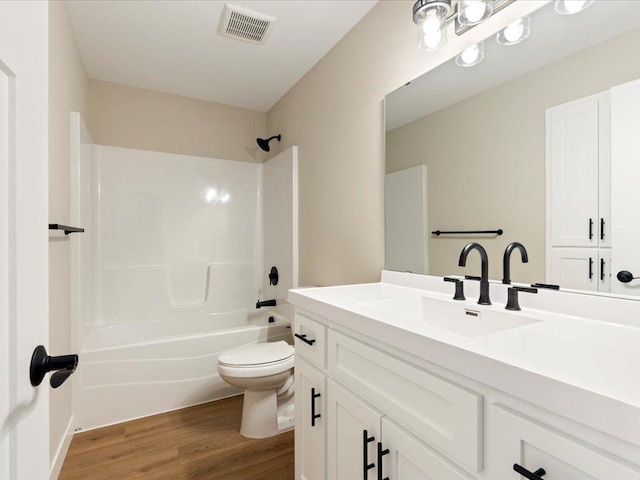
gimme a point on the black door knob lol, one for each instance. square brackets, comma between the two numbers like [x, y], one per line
[42, 363]
[626, 277]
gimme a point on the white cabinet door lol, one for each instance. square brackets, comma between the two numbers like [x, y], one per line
[310, 422]
[573, 156]
[575, 268]
[625, 175]
[516, 439]
[353, 431]
[401, 456]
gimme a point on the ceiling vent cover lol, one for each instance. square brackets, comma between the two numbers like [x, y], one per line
[245, 24]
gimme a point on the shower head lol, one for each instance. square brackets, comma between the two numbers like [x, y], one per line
[264, 144]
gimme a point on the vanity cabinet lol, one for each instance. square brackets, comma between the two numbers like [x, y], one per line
[370, 411]
[578, 189]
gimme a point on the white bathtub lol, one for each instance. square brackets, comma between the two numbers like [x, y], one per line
[133, 370]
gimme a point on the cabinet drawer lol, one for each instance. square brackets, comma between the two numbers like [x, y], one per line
[515, 438]
[444, 415]
[312, 345]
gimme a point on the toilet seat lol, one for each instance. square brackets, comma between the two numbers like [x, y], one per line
[257, 360]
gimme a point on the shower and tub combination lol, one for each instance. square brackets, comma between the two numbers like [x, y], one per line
[175, 252]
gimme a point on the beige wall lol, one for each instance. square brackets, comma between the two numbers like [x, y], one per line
[494, 177]
[67, 92]
[133, 117]
[335, 115]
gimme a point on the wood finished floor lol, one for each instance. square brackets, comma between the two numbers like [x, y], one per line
[200, 442]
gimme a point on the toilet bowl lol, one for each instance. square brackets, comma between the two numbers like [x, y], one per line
[265, 372]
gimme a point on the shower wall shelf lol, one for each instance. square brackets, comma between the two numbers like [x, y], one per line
[67, 229]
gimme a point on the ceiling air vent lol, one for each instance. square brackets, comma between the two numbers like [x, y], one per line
[244, 24]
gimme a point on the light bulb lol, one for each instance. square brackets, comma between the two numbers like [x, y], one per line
[471, 56]
[475, 10]
[431, 24]
[569, 7]
[433, 39]
[515, 32]
[472, 12]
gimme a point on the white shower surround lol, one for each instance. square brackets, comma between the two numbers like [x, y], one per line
[168, 271]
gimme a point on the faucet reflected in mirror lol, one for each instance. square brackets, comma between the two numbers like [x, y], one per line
[506, 260]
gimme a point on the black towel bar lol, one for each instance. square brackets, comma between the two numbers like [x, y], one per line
[67, 229]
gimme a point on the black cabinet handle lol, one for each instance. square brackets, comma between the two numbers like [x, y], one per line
[537, 475]
[602, 229]
[314, 415]
[602, 269]
[590, 268]
[305, 339]
[366, 466]
[381, 453]
[591, 229]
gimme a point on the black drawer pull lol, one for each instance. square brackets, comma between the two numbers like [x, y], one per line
[591, 229]
[602, 276]
[305, 339]
[602, 229]
[537, 475]
[314, 415]
[381, 453]
[366, 466]
[590, 268]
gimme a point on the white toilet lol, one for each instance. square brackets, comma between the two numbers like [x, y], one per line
[265, 372]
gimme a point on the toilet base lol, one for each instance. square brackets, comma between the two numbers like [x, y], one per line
[263, 415]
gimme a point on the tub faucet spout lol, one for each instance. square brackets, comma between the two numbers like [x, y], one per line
[266, 303]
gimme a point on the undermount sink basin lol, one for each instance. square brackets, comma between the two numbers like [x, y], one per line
[456, 317]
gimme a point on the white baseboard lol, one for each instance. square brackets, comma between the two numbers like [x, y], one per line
[61, 454]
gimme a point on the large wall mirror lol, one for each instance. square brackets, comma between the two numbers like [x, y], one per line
[540, 140]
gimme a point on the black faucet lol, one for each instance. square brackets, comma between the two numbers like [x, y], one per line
[266, 303]
[484, 279]
[506, 260]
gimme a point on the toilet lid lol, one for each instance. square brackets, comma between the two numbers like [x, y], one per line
[257, 354]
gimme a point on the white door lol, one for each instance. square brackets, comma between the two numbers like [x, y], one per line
[311, 423]
[575, 268]
[406, 220]
[24, 410]
[573, 154]
[625, 175]
[403, 457]
[353, 431]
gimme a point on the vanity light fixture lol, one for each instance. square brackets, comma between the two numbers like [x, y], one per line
[515, 32]
[431, 18]
[471, 56]
[472, 12]
[569, 7]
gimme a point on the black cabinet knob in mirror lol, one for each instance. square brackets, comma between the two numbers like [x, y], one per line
[626, 277]
[42, 363]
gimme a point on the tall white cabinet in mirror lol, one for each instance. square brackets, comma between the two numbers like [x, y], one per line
[579, 193]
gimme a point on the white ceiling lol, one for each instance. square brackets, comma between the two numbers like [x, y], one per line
[173, 46]
[552, 37]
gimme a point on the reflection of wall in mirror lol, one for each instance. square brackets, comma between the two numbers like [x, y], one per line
[486, 156]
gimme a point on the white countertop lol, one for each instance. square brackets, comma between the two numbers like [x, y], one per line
[565, 359]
